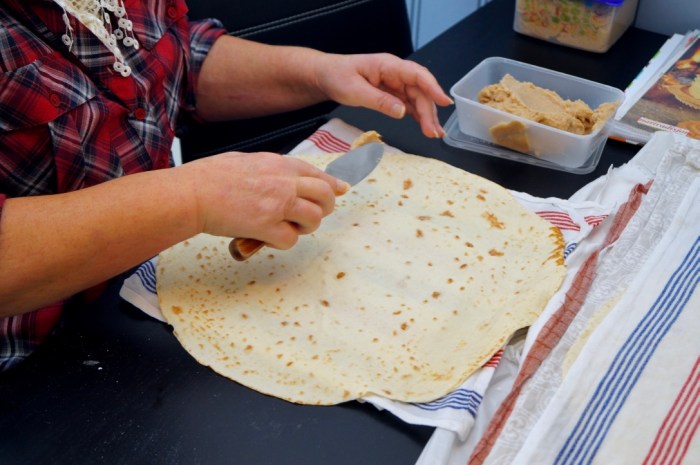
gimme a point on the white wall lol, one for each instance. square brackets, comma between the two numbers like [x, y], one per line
[431, 17]
[668, 16]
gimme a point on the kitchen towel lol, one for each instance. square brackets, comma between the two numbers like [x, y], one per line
[629, 387]
[616, 381]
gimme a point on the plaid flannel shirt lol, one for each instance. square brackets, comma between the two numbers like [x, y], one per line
[68, 121]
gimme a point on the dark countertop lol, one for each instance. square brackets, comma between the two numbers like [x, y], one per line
[114, 386]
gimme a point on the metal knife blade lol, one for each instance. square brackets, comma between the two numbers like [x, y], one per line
[356, 164]
[352, 167]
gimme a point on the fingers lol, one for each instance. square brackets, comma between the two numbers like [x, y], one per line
[422, 92]
[425, 112]
[338, 186]
[304, 214]
[409, 100]
[314, 200]
[415, 75]
[396, 87]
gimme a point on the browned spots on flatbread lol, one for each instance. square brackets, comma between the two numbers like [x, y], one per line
[176, 309]
[558, 253]
[340, 275]
[438, 376]
[435, 294]
[419, 233]
[495, 253]
[424, 218]
[407, 184]
[325, 303]
[448, 214]
[493, 220]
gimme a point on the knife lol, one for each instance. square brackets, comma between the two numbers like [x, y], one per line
[352, 167]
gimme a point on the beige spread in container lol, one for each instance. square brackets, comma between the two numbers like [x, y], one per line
[543, 106]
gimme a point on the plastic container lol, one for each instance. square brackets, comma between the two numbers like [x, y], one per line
[456, 138]
[547, 144]
[593, 25]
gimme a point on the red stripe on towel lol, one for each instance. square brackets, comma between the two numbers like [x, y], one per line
[327, 142]
[677, 431]
[594, 220]
[561, 220]
[555, 327]
[495, 360]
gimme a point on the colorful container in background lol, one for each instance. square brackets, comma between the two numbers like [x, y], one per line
[593, 25]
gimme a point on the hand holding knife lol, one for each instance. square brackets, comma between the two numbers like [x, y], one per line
[351, 167]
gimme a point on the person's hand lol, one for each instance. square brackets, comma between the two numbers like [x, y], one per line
[384, 83]
[264, 196]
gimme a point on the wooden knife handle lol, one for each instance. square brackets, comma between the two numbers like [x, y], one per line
[241, 248]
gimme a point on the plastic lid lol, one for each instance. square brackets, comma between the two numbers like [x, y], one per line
[607, 2]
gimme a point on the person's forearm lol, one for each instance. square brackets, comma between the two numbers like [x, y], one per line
[243, 79]
[53, 246]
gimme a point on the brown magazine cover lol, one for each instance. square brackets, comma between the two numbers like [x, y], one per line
[672, 103]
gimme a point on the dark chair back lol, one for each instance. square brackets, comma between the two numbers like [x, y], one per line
[351, 26]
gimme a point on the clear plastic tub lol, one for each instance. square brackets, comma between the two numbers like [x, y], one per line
[548, 144]
[456, 138]
[593, 25]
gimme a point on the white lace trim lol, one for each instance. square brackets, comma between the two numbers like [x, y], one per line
[97, 16]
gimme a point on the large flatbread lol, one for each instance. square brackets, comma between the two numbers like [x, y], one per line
[422, 273]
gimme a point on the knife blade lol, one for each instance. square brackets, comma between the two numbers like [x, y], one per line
[352, 167]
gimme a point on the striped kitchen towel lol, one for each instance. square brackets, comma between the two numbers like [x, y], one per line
[618, 383]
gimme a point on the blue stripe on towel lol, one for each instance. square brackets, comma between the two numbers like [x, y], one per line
[461, 399]
[147, 274]
[619, 380]
[569, 248]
